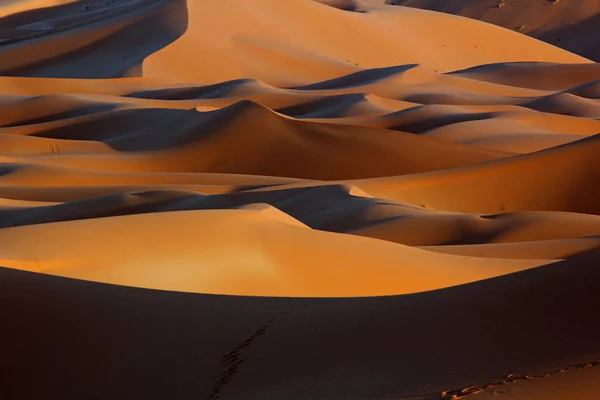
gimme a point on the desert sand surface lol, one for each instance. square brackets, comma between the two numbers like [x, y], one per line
[570, 25]
[296, 200]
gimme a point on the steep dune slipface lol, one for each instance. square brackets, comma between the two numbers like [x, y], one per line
[361, 200]
[89, 39]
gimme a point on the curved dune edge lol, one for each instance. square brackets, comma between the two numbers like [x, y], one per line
[254, 251]
[290, 346]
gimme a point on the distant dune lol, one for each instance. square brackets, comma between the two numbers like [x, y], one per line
[571, 25]
[334, 199]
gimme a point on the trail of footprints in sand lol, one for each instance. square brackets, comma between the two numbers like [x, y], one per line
[511, 378]
[231, 361]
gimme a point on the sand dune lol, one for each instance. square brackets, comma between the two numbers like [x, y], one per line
[333, 49]
[567, 24]
[238, 252]
[492, 187]
[532, 322]
[361, 200]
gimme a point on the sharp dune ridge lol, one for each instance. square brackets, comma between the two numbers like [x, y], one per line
[332, 199]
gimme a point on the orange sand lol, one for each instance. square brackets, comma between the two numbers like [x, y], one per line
[567, 24]
[361, 200]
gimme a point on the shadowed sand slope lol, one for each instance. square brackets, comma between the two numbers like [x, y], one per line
[88, 39]
[383, 347]
[361, 201]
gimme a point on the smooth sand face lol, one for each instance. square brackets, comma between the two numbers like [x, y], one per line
[566, 24]
[407, 201]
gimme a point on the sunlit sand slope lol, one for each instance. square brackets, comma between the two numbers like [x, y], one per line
[567, 24]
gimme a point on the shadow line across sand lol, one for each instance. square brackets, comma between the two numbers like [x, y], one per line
[112, 39]
[82, 339]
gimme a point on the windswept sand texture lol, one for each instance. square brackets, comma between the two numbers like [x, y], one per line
[295, 200]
